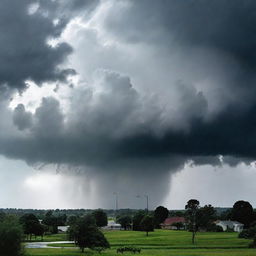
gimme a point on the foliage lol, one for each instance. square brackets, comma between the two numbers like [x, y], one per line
[147, 224]
[137, 218]
[204, 217]
[248, 233]
[101, 218]
[87, 235]
[160, 214]
[243, 212]
[225, 215]
[177, 213]
[212, 227]
[192, 207]
[125, 221]
[10, 237]
[72, 220]
[52, 222]
[31, 225]
[128, 249]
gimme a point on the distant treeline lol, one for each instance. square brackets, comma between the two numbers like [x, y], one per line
[79, 212]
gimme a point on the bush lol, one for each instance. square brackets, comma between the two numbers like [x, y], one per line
[248, 233]
[214, 228]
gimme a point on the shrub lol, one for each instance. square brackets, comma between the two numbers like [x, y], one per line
[248, 233]
[214, 228]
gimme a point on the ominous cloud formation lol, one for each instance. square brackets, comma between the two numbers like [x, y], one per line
[161, 83]
[25, 53]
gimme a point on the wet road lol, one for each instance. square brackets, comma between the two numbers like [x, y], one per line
[41, 245]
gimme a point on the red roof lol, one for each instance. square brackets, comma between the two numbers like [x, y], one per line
[170, 221]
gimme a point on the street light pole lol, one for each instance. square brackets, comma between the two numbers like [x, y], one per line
[115, 193]
[146, 201]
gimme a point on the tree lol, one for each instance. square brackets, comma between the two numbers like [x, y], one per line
[100, 218]
[125, 221]
[192, 207]
[87, 235]
[147, 224]
[242, 211]
[160, 214]
[72, 220]
[38, 230]
[205, 216]
[136, 220]
[51, 221]
[177, 213]
[61, 220]
[10, 237]
[30, 224]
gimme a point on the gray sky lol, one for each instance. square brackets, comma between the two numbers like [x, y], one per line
[134, 97]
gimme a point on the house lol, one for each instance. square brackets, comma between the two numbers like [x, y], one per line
[168, 223]
[62, 229]
[230, 225]
[112, 226]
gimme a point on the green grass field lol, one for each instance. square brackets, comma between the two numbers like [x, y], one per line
[161, 243]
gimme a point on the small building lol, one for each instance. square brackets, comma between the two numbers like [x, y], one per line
[169, 223]
[230, 225]
[62, 229]
[112, 225]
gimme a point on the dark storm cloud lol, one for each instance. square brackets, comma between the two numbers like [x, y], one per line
[120, 123]
[24, 52]
[66, 8]
[225, 27]
[21, 118]
[112, 127]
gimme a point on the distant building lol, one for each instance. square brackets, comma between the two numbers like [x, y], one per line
[62, 229]
[168, 223]
[113, 226]
[230, 225]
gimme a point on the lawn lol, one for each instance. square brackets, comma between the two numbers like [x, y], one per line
[161, 243]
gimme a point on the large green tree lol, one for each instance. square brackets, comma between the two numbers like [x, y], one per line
[101, 218]
[147, 224]
[205, 217]
[51, 221]
[136, 220]
[87, 235]
[242, 211]
[192, 207]
[31, 225]
[160, 214]
[125, 221]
